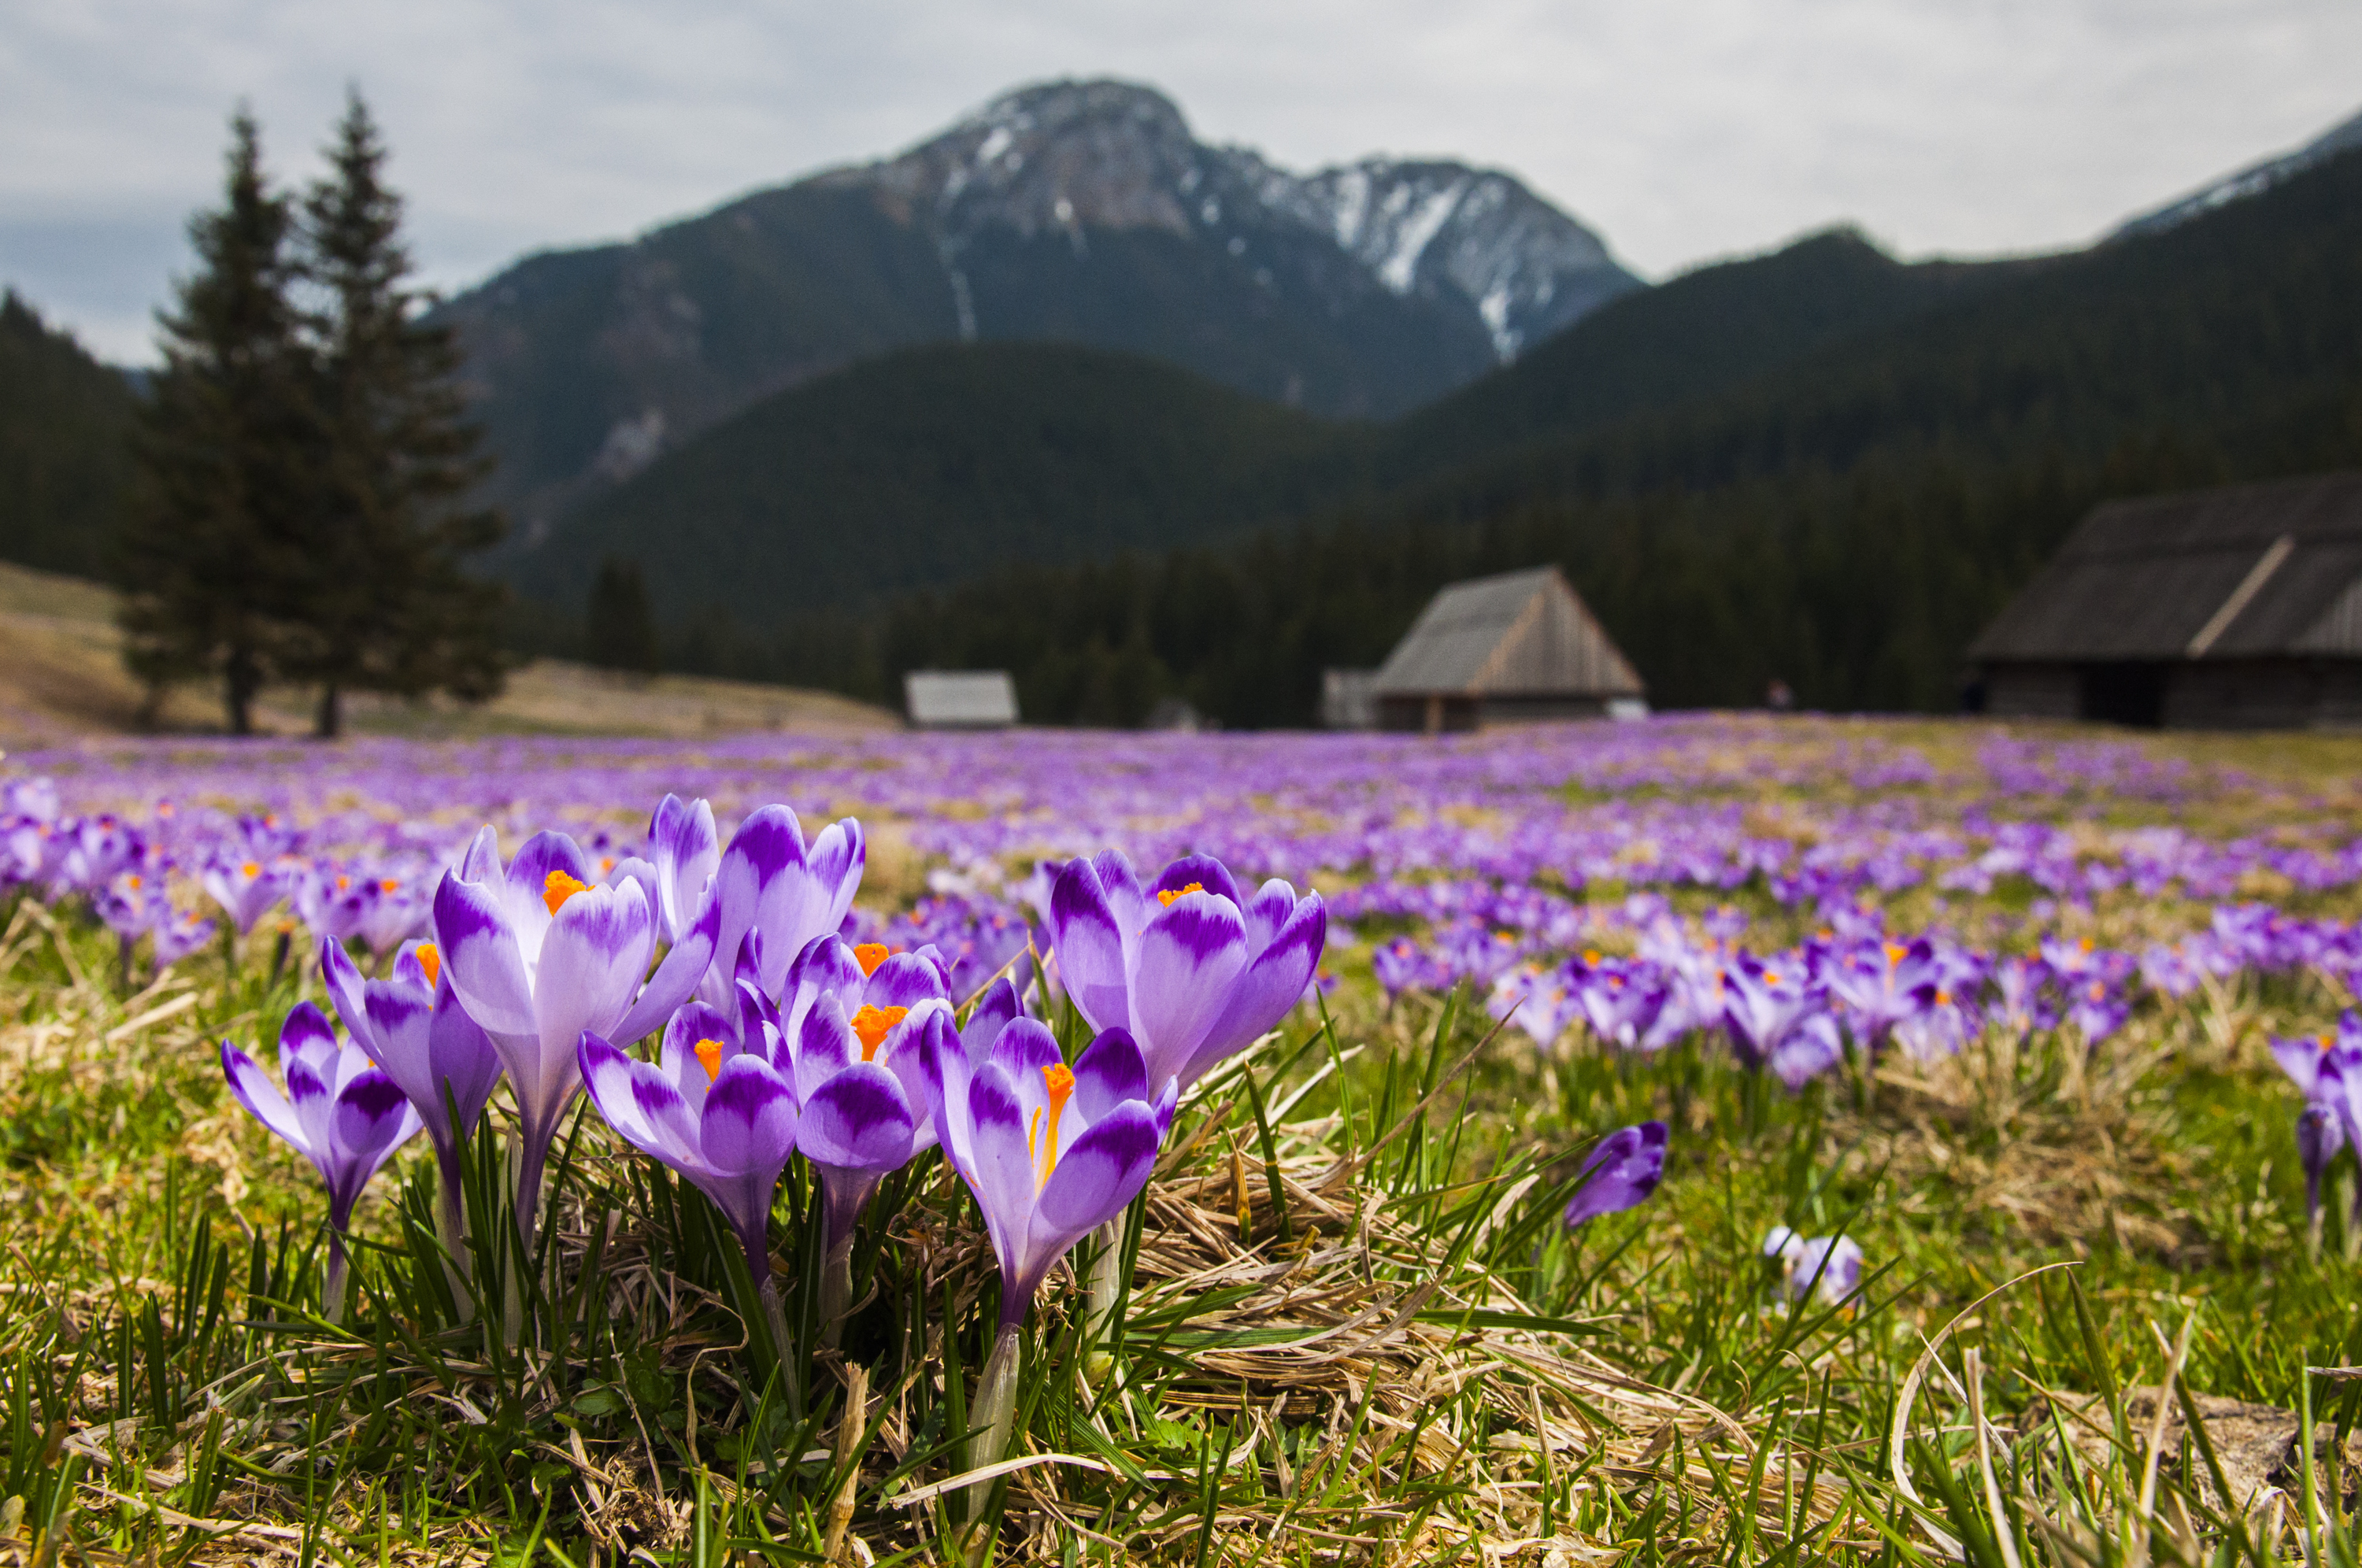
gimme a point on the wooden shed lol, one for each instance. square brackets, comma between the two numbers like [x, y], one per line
[960, 699]
[2233, 608]
[1520, 645]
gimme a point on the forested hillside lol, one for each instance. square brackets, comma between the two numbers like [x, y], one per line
[932, 466]
[65, 458]
[1845, 523]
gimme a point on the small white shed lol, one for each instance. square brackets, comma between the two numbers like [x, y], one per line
[960, 699]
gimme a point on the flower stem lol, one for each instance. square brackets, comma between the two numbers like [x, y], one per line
[845, 1195]
[994, 1409]
[451, 1227]
[1106, 1294]
[332, 1290]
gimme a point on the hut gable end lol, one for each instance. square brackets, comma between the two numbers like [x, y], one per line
[1520, 644]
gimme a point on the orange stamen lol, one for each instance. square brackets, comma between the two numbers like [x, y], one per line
[559, 887]
[1060, 1081]
[869, 955]
[1770, 976]
[709, 1056]
[1591, 955]
[250, 870]
[430, 962]
[1943, 998]
[389, 886]
[1167, 896]
[873, 1024]
[1896, 954]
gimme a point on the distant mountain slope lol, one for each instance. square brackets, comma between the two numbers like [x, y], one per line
[1690, 337]
[1844, 521]
[65, 458]
[934, 465]
[1080, 212]
[1698, 335]
[2251, 181]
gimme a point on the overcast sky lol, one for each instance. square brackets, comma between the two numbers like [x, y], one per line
[1680, 129]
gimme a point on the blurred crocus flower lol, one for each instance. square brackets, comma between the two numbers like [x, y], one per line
[178, 934]
[539, 957]
[392, 909]
[2097, 1009]
[1189, 966]
[338, 1111]
[413, 1027]
[1777, 1019]
[1826, 1266]
[1622, 1000]
[769, 883]
[2327, 1068]
[1620, 1173]
[245, 889]
[1537, 1002]
[333, 903]
[1882, 983]
[718, 1113]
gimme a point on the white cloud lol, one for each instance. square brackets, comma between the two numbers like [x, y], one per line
[1681, 130]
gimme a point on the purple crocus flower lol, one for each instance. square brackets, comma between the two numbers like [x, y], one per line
[1777, 1019]
[1189, 966]
[339, 1111]
[539, 957]
[769, 883]
[1537, 1001]
[177, 935]
[1051, 1154]
[2327, 1068]
[854, 1031]
[245, 889]
[718, 1112]
[1620, 1173]
[1622, 1000]
[1826, 1266]
[1882, 983]
[413, 1027]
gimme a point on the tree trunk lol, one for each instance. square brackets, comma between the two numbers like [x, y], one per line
[240, 680]
[328, 722]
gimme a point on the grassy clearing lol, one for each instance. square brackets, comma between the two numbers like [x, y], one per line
[1356, 1332]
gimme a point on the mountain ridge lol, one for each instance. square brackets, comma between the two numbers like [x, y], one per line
[1082, 212]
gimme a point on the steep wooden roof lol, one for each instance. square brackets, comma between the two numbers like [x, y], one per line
[2239, 572]
[960, 697]
[1521, 634]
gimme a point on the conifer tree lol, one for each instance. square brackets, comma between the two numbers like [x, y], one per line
[390, 609]
[620, 629]
[211, 555]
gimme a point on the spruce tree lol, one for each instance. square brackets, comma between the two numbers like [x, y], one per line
[620, 630]
[392, 609]
[211, 556]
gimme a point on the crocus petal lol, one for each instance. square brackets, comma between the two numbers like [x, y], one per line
[1203, 870]
[749, 1126]
[1190, 954]
[1272, 907]
[1109, 1072]
[992, 1011]
[904, 980]
[1268, 990]
[459, 1057]
[592, 961]
[306, 1036]
[346, 991]
[1090, 946]
[261, 1097]
[860, 1119]
[824, 1047]
[646, 1111]
[373, 1119]
[481, 864]
[481, 956]
[1000, 1165]
[1098, 1177]
[687, 851]
[674, 978]
[1622, 1171]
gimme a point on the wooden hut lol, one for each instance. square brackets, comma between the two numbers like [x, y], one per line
[960, 699]
[1520, 645]
[2231, 608]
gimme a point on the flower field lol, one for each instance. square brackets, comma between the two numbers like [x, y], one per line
[1701, 1140]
